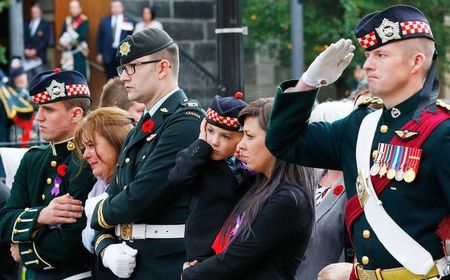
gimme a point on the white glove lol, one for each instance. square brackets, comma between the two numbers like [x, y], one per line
[120, 259]
[330, 64]
[87, 236]
[91, 202]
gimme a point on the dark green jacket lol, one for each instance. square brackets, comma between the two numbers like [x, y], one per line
[140, 192]
[417, 207]
[57, 249]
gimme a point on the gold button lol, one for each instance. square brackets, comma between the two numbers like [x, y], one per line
[18, 220]
[143, 157]
[26, 209]
[16, 231]
[366, 234]
[49, 181]
[384, 128]
[53, 163]
[365, 260]
[43, 196]
[127, 160]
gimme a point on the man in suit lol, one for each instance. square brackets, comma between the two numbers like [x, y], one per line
[395, 160]
[42, 219]
[111, 31]
[143, 210]
[37, 39]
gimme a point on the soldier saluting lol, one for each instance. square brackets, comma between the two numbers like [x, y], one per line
[398, 156]
[143, 209]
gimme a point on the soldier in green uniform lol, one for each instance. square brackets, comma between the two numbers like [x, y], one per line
[73, 41]
[395, 160]
[143, 210]
[43, 216]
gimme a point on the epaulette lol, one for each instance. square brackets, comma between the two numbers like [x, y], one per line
[192, 108]
[39, 147]
[370, 100]
[442, 104]
[190, 103]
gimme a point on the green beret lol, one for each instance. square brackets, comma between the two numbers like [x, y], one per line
[142, 43]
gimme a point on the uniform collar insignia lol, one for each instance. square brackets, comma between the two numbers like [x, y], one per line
[406, 135]
[124, 48]
[388, 30]
[395, 113]
[56, 90]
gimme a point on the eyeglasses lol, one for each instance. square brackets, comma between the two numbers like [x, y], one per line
[130, 68]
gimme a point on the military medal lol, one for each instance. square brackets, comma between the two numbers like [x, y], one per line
[410, 175]
[386, 160]
[412, 165]
[400, 173]
[375, 169]
[395, 162]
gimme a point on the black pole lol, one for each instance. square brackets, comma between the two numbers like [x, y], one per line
[229, 47]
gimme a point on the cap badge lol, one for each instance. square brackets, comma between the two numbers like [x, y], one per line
[124, 48]
[56, 90]
[388, 30]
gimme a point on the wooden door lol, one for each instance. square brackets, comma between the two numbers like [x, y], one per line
[94, 10]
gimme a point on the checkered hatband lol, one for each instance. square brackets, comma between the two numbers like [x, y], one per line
[70, 90]
[368, 40]
[226, 122]
[415, 27]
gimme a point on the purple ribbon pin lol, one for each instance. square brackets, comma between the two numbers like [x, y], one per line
[55, 190]
[236, 227]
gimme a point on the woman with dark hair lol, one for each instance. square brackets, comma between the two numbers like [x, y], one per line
[266, 234]
[148, 20]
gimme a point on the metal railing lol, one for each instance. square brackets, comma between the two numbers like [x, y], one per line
[196, 80]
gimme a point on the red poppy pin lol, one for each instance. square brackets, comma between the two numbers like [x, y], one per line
[338, 190]
[147, 126]
[62, 170]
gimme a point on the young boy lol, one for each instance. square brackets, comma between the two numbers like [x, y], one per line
[211, 174]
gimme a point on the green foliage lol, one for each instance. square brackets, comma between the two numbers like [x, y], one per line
[326, 21]
[268, 23]
[4, 4]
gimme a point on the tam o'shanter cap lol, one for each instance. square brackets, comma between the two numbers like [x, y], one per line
[142, 43]
[395, 23]
[223, 111]
[57, 85]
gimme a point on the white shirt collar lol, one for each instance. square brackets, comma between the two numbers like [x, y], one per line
[158, 104]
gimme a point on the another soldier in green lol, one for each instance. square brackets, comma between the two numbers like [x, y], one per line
[143, 209]
[395, 158]
[73, 41]
[43, 216]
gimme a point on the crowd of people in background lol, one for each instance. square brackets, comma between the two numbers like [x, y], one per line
[148, 185]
